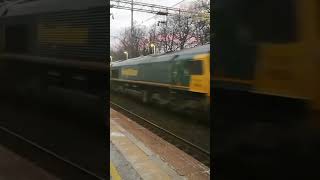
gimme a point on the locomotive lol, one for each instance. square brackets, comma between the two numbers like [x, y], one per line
[179, 80]
[275, 56]
[266, 70]
[50, 44]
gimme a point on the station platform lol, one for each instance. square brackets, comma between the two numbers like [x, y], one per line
[13, 167]
[137, 153]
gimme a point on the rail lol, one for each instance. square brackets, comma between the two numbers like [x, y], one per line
[186, 142]
[43, 149]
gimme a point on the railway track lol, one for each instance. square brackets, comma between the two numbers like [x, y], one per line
[190, 148]
[59, 139]
[36, 148]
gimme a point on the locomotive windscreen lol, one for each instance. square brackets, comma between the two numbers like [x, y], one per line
[195, 67]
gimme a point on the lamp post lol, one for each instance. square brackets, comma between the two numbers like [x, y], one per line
[154, 48]
[126, 54]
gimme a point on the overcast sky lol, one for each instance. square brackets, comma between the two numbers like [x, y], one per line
[122, 18]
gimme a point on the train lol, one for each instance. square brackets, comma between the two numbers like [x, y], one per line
[271, 53]
[267, 59]
[179, 80]
[54, 44]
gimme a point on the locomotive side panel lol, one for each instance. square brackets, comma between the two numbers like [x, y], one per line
[159, 72]
[80, 35]
[132, 72]
[148, 70]
[77, 34]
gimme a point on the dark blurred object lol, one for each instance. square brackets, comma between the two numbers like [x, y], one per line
[50, 44]
[266, 88]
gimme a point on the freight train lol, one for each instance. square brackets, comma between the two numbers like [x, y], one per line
[267, 64]
[179, 80]
[269, 48]
[60, 44]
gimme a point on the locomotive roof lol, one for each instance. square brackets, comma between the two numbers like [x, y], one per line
[24, 7]
[144, 59]
[194, 50]
[162, 57]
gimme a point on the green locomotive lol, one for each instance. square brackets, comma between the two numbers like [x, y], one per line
[178, 79]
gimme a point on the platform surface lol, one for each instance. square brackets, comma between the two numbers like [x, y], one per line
[137, 153]
[114, 173]
[15, 167]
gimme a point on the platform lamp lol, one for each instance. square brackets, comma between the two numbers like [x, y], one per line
[154, 48]
[126, 54]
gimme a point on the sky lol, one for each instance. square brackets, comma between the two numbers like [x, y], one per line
[122, 18]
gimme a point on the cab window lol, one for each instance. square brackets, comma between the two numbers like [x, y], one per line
[194, 67]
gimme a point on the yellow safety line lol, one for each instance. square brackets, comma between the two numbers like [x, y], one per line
[114, 173]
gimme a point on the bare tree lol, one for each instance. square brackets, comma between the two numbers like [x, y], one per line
[186, 29]
[201, 21]
[135, 44]
[177, 32]
[117, 53]
[152, 37]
